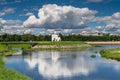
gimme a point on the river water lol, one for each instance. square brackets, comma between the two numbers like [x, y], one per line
[66, 65]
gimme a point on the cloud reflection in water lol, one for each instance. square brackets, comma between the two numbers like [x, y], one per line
[53, 65]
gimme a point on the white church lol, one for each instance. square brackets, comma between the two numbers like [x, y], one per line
[55, 37]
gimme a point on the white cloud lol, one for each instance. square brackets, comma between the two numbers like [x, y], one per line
[4, 2]
[2, 21]
[61, 19]
[112, 23]
[11, 26]
[96, 1]
[27, 14]
[7, 11]
[116, 15]
[28, 31]
[52, 16]
[34, 8]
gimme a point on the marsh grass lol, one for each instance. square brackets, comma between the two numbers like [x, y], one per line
[111, 54]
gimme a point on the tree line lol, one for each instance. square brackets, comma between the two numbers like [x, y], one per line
[31, 37]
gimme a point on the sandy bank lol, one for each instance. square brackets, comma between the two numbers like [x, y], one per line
[104, 42]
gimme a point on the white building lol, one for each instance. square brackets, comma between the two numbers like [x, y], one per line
[55, 37]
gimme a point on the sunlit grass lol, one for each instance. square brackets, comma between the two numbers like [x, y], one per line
[24, 46]
[61, 43]
[2, 47]
[7, 74]
[111, 53]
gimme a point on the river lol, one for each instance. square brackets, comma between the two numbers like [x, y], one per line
[66, 65]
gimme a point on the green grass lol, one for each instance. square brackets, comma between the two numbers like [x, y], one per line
[62, 49]
[24, 46]
[2, 47]
[61, 43]
[111, 54]
[8, 52]
[8, 74]
[93, 56]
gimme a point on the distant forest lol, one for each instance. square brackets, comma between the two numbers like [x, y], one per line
[31, 37]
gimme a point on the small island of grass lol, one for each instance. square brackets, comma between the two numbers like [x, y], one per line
[111, 54]
[62, 45]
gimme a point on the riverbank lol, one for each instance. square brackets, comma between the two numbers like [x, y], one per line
[111, 54]
[47, 45]
[8, 50]
[103, 42]
[8, 74]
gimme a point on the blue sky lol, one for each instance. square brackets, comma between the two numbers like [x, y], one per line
[18, 12]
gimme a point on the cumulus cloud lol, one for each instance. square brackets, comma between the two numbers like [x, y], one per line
[7, 11]
[28, 31]
[52, 16]
[11, 26]
[116, 15]
[112, 23]
[61, 19]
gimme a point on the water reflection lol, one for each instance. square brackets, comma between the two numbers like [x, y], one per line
[54, 65]
[51, 65]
